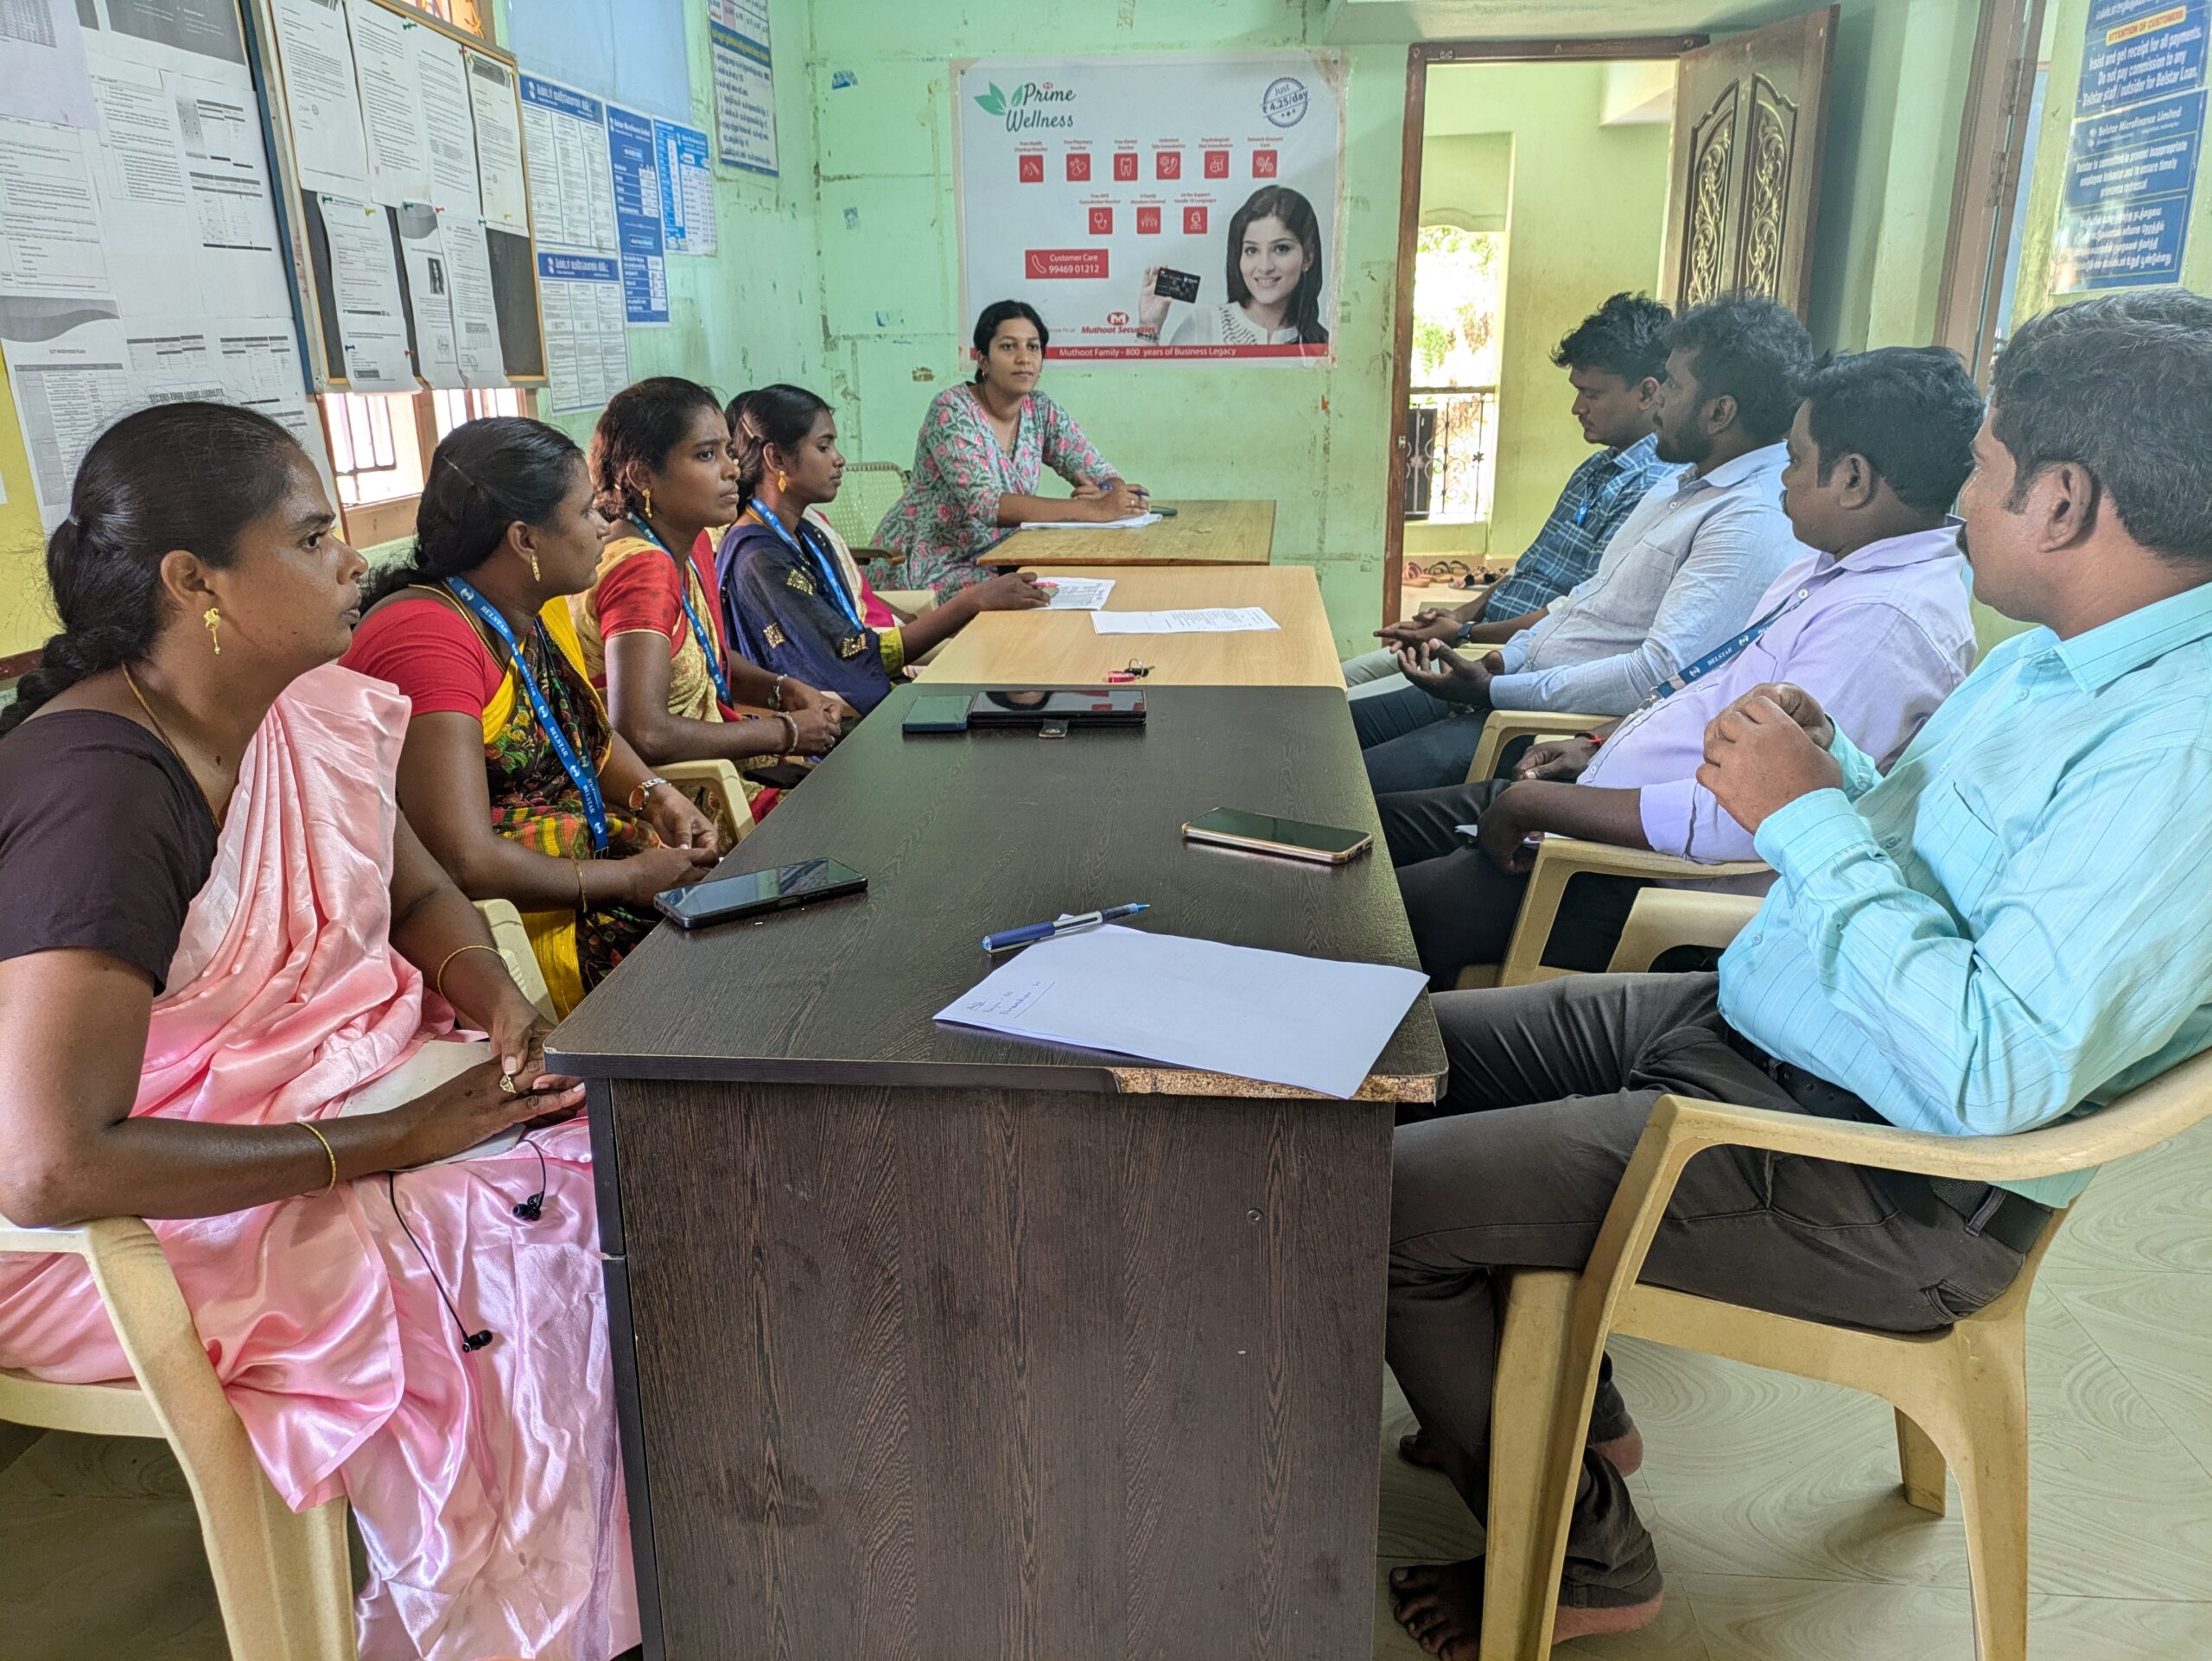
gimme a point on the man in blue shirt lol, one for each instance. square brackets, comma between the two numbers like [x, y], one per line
[2008, 929]
[1615, 358]
[1678, 577]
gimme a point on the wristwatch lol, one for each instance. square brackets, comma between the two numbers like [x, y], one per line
[1466, 633]
[638, 796]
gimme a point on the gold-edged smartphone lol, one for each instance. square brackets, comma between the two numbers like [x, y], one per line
[1263, 833]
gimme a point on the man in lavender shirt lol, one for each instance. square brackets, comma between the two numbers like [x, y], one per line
[1874, 620]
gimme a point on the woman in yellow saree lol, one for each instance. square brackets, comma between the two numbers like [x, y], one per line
[511, 772]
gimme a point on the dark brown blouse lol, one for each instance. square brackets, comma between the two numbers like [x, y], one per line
[104, 840]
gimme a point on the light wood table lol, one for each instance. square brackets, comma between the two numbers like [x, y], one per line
[1061, 648]
[1201, 533]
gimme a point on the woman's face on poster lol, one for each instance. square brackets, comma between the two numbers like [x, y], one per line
[1271, 261]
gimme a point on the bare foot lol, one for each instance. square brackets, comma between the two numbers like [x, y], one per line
[1440, 1606]
[1624, 1453]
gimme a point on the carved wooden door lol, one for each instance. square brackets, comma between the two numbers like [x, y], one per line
[1749, 116]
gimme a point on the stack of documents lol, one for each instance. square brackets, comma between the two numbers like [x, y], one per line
[1308, 1021]
[1076, 592]
[1209, 619]
[1134, 522]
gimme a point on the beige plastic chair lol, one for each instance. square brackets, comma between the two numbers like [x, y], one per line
[869, 491]
[1960, 1396]
[718, 790]
[282, 1577]
[1503, 726]
[1559, 860]
[511, 936]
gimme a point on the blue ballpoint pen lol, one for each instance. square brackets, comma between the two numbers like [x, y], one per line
[1012, 937]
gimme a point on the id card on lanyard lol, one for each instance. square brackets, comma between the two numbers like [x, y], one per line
[585, 779]
[1722, 655]
[804, 548]
[700, 632]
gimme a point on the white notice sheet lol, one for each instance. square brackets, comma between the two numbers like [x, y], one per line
[1134, 522]
[475, 317]
[448, 126]
[1076, 592]
[317, 55]
[392, 107]
[42, 63]
[1308, 1021]
[429, 296]
[1209, 619]
[49, 217]
[499, 143]
[365, 285]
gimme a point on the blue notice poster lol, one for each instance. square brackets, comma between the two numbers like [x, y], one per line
[2139, 49]
[687, 189]
[637, 216]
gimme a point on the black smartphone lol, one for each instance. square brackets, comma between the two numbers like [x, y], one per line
[1263, 833]
[1170, 284]
[723, 899]
[937, 713]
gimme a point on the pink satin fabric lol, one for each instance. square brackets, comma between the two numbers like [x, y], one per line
[486, 1487]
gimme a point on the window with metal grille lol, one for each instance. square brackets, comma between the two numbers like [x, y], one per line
[374, 452]
[454, 408]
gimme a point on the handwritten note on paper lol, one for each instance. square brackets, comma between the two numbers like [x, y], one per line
[1076, 592]
[1213, 620]
[1310, 1022]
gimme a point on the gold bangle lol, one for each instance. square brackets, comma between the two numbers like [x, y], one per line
[438, 980]
[328, 1152]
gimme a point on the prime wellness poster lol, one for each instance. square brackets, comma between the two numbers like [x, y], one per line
[1156, 209]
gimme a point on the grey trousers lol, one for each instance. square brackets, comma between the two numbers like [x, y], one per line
[1550, 1087]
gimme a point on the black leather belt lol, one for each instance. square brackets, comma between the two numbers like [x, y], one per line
[2012, 1220]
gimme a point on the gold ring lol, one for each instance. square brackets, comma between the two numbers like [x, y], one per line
[507, 1083]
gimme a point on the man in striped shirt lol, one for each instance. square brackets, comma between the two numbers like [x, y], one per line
[2008, 929]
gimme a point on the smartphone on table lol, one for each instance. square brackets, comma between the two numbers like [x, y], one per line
[1264, 833]
[725, 899]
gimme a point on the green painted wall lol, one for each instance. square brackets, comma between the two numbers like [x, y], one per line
[1466, 179]
[1587, 220]
[1313, 440]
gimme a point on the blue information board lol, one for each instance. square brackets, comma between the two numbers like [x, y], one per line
[637, 216]
[2140, 49]
[2132, 156]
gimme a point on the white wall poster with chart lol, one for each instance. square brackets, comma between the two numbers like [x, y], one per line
[571, 179]
[744, 83]
[139, 259]
[1156, 208]
[587, 337]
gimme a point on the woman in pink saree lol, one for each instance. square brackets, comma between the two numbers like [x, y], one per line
[215, 937]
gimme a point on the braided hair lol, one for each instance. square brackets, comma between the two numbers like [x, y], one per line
[485, 476]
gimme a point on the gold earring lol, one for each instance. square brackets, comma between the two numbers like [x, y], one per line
[649, 501]
[534, 576]
[213, 617]
[782, 480]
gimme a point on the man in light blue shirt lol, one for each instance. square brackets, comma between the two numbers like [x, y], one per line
[1679, 577]
[2009, 929]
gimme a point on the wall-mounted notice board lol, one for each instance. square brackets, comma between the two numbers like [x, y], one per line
[397, 142]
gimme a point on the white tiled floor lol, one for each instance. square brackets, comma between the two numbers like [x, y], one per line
[1774, 1501]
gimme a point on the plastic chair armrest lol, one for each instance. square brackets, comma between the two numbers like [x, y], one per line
[1506, 725]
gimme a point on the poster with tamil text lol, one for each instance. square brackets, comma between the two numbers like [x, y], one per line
[1156, 208]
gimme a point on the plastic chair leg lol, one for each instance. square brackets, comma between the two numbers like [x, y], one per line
[283, 1579]
[1525, 1544]
[1920, 1463]
[1992, 1472]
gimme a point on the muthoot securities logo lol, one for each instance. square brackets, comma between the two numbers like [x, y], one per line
[1030, 105]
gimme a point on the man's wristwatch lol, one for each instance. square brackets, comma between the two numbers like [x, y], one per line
[1466, 633]
[638, 796]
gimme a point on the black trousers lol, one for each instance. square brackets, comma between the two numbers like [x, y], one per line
[1550, 1087]
[1462, 907]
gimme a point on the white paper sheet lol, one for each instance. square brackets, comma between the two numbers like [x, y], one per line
[571, 179]
[448, 125]
[1213, 620]
[475, 317]
[429, 296]
[42, 64]
[1076, 592]
[68, 388]
[1308, 1021]
[365, 287]
[317, 55]
[1134, 522]
[586, 344]
[391, 105]
[49, 216]
[498, 143]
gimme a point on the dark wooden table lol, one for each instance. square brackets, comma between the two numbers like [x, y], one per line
[935, 1344]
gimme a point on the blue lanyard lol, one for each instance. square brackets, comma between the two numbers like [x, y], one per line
[585, 779]
[700, 632]
[806, 551]
[1726, 653]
